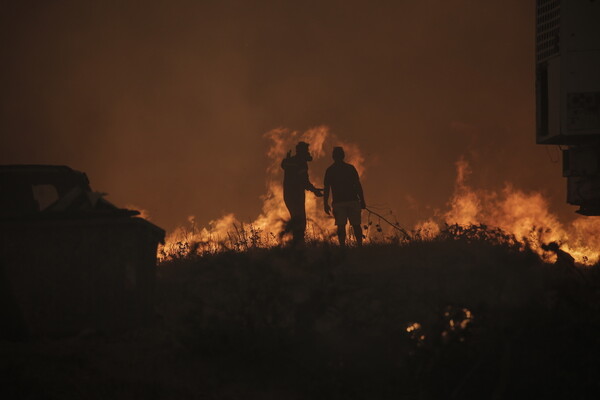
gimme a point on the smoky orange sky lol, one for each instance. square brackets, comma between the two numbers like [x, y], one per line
[164, 103]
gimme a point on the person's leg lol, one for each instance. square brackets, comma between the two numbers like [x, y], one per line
[354, 212]
[341, 232]
[358, 234]
[341, 216]
[289, 203]
[300, 226]
[297, 224]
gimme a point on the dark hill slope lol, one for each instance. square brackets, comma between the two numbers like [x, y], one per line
[468, 315]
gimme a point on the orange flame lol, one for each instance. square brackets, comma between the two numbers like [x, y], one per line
[524, 215]
[266, 229]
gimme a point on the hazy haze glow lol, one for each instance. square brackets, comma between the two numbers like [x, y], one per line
[165, 104]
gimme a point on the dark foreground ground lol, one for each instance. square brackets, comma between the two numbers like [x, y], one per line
[458, 317]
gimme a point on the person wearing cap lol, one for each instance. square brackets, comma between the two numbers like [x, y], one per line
[348, 198]
[295, 183]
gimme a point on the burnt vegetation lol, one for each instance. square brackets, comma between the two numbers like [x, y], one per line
[472, 313]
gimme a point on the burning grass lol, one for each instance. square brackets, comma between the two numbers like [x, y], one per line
[471, 313]
[524, 217]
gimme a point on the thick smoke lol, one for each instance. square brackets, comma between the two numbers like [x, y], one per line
[165, 103]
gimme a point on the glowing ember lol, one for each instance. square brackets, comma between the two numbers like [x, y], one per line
[415, 326]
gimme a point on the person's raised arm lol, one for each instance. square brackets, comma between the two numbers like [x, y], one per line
[286, 161]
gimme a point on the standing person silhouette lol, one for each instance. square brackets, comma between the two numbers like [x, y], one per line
[348, 197]
[295, 183]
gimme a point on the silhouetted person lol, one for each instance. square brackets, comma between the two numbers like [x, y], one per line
[348, 197]
[295, 183]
